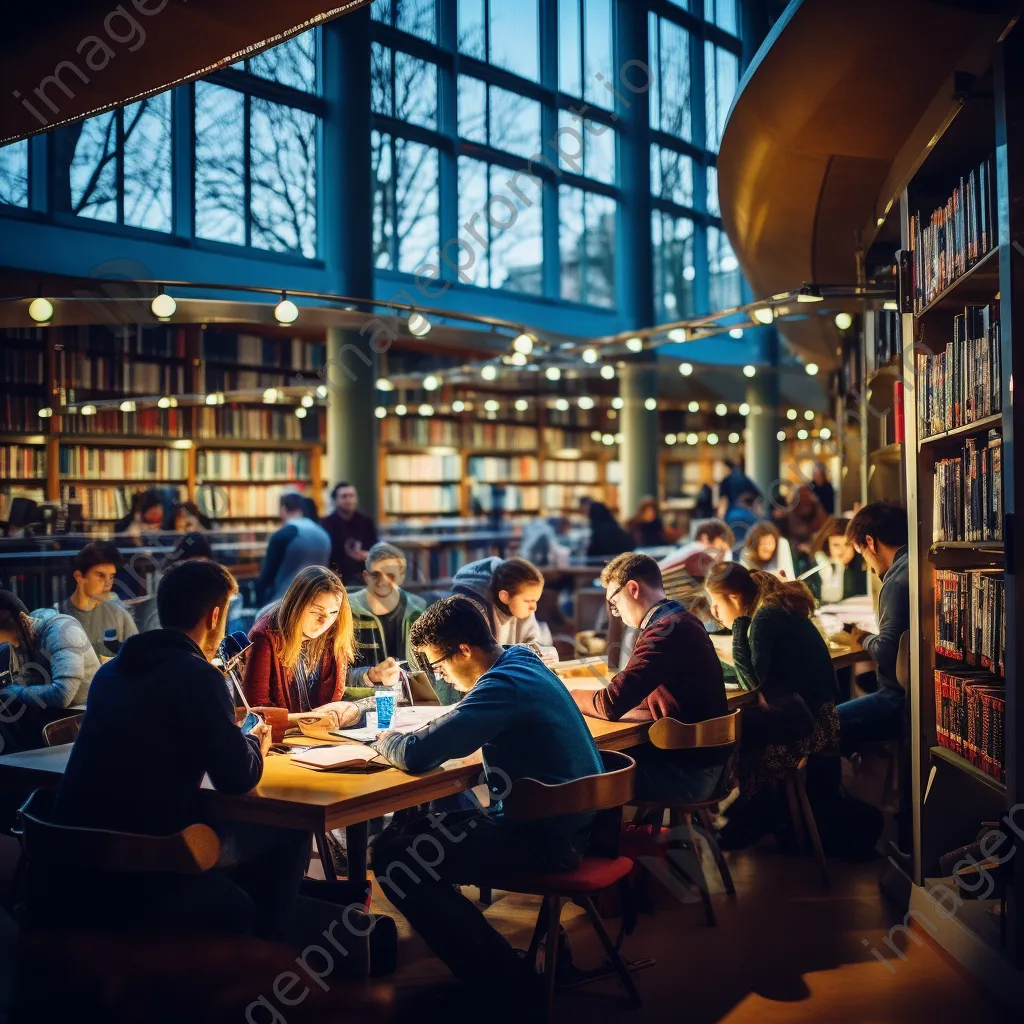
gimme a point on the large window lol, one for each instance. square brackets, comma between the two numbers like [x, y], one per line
[406, 226]
[505, 33]
[417, 17]
[586, 244]
[674, 266]
[669, 97]
[14, 174]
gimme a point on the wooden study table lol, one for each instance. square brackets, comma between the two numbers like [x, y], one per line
[842, 655]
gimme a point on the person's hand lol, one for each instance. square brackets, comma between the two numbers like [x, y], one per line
[387, 673]
[858, 635]
[263, 733]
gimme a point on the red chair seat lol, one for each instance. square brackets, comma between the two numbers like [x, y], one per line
[591, 876]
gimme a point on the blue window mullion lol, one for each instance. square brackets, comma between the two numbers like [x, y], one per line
[247, 165]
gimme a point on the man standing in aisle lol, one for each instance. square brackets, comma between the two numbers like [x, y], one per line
[92, 603]
[352, 534]
[298, 543]
[878, 532]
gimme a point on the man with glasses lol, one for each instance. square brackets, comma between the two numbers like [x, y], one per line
[383, 615]
[673, 672]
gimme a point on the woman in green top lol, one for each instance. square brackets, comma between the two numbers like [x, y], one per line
[778, 651]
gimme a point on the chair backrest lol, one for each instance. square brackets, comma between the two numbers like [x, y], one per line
[189, 852]
[903, 661]
[63, 730]
[531, 800]
[670, 734]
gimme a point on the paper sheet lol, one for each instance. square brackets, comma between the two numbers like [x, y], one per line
[333, 757]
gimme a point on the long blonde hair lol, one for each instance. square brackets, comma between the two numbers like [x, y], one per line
[285, 620]
[760, 589]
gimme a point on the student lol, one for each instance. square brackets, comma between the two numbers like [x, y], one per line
[522, 717]
[383, 614]
[646, 527]
[878, 533]
[298, 543]
[192, 545]
[52, 665]
[823, 489]
[302, 647]
[761, 548]
[842, 573]
[352, 534]
[506, 593]
[95, 567]
[147, 514]
[545, 543]
[712, 541]
[606, 536]
[736, 490]
[673, 672]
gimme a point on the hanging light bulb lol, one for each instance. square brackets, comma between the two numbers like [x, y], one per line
[489, 372]
[749, 371]
[692, 438]
[585, 402]
[781, 435]
[491, 405]
[163, 306]
[590, 355]
[808, 414]
[41, 310]
[380, 412]
[617, 403]
[712, 438]
[791, 414]
[825, 433]
[553, 373]
[522, 405]
[670, 439]
[562, 404]
[127, 406]
[844, 321]
[812, 369]
[286, 312]
[431, 383]
[300, 412]
[650, 404]
[736, 332]
[635, 344]
[764, 315]
[523, 344]
[608, 372]
[734, 438]
[383, 384]
[418, 324]
[722, 409]
[426, 409]
[401, 409]
[686, 369]
[677, 334]
[744, 409]
[694, 407]
[458, 405]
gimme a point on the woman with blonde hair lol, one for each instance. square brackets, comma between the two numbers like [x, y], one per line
[302, 647]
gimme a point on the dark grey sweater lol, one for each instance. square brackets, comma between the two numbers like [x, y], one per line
[893, 620]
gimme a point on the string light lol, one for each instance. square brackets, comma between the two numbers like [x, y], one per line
[300, 411]
[383, 384]
[677, 334]
[286, 312]
[163, 306]
[380, 412]
[825, 433]
[562, 404]
[167, 402]
[764, 315]
[844, 321]
[650, 404]
[418, 325]
[618, 438]
[431, 383]
[802, 435]
[617, 403]
[595, 435]
[736, 332]
[608, 372]
[686, 369]
[127, 406]
[400, 409]
[809, 294]
[88, 410]
[749, 371]
[45, 413]
[635, 344]
[607, 439]
[585, 402]
[491, 405]
[489, 372]
[590, 355]
[322, 390]
[791, 414]
[523, 344]
[734, 438]
[744, 409]
[517, 359]
[426, 409]
[712, 438]
[808, 414]
[41, 310]
[694, 407]
[670, 439]
[307, 401]
[692, 438]
[781, 436]
[890, 304]
[721, 409]
[522, 405]
[458, 405]
[812, 369]
[553, 373]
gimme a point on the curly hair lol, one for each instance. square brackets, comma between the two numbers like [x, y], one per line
[760, 589]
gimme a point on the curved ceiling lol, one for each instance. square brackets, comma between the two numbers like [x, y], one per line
[831, 115]
[68, 59]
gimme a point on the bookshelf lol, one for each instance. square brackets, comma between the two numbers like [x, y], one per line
[961, 297]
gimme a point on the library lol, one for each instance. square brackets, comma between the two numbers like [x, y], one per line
[585, 422]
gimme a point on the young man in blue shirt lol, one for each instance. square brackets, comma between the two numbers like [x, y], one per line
[527, 725]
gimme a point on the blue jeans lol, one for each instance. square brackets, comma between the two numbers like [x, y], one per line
[666, 775]
[873, 718]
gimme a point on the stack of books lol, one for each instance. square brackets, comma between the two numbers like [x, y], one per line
[967, 493]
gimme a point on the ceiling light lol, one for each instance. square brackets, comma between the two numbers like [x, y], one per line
[694, 407]
[380, 412]
[736, 332]
[749, 371]
[430, 383]
[270, 396]
[692, 438]
[45, 413]
[523, 344]
[286, 312]
[744, 409]
[812, 369]
[491, 405]
[677, 334]
[712, 438]
[418, 324]
[650, 404]
[721, 409]
[322, 390]
[825, 433]
[163, 306]
[844, 321]
[764, 315]
[791, 414]
[383, 384]
[458, 405]
[608, 372]
[517, 359]
[127, 406]
[553, 373]
[307, 401]
[686, 369]
[40, 310]
[585, 402]
[809, 293]
[808, 414]
[400, 409]
[781, 436]
[211, 399]
[617, 403]
[426, 409]
[670, 439]
[300, 412]
[489, 372]
[163, 403]
[802, 435]
[522, 405]
[595, 435]
[635, 344]
[88, 410]
[562, 404]
[890, 304]
[607, 439]
[590, 355]
[734, 438]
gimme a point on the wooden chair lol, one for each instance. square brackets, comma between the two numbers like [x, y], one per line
[63, 730]
[531, 800]
[722, 734]
[803, 817]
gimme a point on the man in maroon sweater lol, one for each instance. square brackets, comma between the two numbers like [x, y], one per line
[673, 672]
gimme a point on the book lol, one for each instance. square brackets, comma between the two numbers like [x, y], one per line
[230, 466]
[970, 617]
[970, 719]
[967, 492]
[338, 755]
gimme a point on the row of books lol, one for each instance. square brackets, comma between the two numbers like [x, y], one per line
[970, 720]
[489, 468]
[420, 431]
[511, 498]
[218, 378]
[422, 468]
[19, 414]
[888, 345]
[22, 461]
[571, 471]
[963, 383]
[970, 617]
[77, 372]
[230, 466]
[288, 354]
[967, 492]
[955, 236]
[89, 463]
[24, 365]
[501, 435]
[238, 422]
[104, 502]
[427, 499]
[220, 501]
[566, 497]
[144, 423]
[144, 341]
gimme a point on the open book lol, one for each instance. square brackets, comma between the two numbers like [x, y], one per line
[337, 756]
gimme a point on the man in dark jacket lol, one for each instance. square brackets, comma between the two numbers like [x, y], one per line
[673, 672]
[352, 534]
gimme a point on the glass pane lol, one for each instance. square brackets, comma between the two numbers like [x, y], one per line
[14, 174]
[570, 143]
[415, 90]
[722, 71]
[417, 225]
[472, 257]
[515, 123]
[418, 18]
[147, 163]
[599, 141]
[472, 109]
[516, 237]
[381, 100]
[674, 270]
[654, 54]
[674, 71]
[597, 53]
[292, 62]
[220, 164]
[571, 243]
[515, 38]
[713, 208]
[599, 277]
[383, 199]
[722, 13]
[671, 176]
[472, 38]
[723, 268]
[380, 10]
[570, 73]
[93, 174]
[283, 155]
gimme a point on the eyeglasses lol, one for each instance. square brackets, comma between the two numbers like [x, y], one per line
[612, 607]
[440, 661]
[377, 576]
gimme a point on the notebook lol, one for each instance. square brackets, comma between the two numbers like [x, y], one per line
[410, 719]
[341, 755]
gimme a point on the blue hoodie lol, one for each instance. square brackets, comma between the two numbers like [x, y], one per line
[521, 716]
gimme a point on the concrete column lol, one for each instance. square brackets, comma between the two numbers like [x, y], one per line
[352, 429]
[638, 453]
[762, 443]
